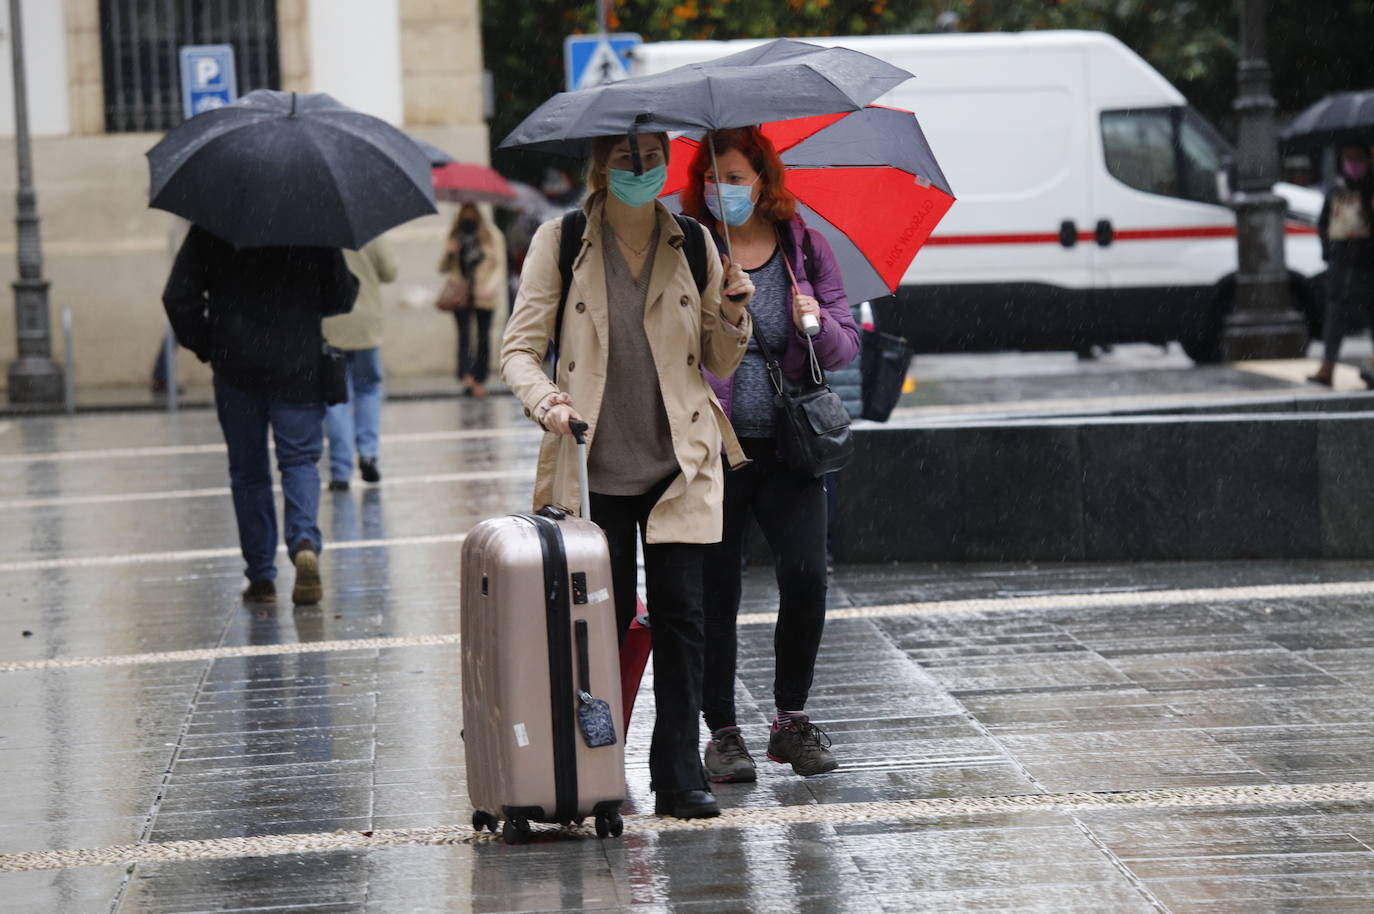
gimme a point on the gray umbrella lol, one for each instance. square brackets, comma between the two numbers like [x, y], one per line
[1345, 116]
[777, 80]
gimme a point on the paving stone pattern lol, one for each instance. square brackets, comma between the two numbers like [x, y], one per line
[1185, 752]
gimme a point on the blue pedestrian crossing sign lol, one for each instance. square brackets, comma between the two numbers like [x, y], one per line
[208, 80]
[593, 60]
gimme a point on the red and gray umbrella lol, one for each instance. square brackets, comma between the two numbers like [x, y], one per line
[866, 180]
[464, 182]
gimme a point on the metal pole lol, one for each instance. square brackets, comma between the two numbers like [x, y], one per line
[34, 377]
[1263, 324]
[169, 367]
[720, 197]
[601, 16]
[69, 374]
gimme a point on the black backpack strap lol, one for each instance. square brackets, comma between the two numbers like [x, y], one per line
[694, 246]
[569, 244]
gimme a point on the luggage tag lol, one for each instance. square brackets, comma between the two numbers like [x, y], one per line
[594, 717]
[593, 714]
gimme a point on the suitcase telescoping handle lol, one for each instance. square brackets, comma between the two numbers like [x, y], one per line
[579, 433]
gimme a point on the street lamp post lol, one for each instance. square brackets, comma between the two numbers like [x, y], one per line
[1263, 324]
[34, 377]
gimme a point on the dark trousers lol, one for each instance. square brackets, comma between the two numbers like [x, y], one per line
[673, 575]
[298, 430]
[473, 359]
[791, 511]
[1349, 291]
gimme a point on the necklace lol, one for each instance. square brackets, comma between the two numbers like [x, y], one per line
[640, 251]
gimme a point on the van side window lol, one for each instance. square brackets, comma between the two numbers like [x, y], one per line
[1168, 151]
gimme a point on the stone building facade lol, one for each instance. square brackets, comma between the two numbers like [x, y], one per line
[101, 77]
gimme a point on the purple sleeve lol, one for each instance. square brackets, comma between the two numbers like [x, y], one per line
[838, 342]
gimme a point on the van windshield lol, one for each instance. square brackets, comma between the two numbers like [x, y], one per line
[1173, 152]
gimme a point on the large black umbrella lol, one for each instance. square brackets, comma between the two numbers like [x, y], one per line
[275, 168]
[777, 80]
[1345, 116]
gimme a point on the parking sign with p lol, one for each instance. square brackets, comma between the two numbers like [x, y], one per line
[208, 80]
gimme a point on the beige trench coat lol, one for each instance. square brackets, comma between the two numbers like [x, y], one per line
[685, 330]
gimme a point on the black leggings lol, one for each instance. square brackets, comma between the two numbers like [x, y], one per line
[672, 573]
[791, 510]
[472, 362]
[1349, 291]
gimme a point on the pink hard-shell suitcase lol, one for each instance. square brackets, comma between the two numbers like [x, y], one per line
[542, 717]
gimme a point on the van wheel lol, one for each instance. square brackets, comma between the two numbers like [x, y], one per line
[1204, 348]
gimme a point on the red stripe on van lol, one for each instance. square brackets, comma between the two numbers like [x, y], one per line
[1162, 234]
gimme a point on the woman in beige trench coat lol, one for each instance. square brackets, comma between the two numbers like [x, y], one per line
[635, 336]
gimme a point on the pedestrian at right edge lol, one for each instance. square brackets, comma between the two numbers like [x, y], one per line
[1346, 229]
[794, 274]
[356, 423]
[635, 335]
[255, 315]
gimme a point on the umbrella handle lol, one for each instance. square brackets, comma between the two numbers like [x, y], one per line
[720, 204]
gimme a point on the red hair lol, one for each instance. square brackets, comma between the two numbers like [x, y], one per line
[775, 203]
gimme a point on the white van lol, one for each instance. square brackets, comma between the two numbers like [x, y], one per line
[1090, 196]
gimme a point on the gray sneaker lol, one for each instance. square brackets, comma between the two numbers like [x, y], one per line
[804, 746]
[727, 761]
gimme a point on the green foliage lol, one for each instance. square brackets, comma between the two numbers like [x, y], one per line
[1315, 46]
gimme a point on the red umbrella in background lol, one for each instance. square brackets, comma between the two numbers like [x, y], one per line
[460, 182]
[865, 179]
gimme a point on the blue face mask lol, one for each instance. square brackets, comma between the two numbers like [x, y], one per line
[637, 190]
[738, 202]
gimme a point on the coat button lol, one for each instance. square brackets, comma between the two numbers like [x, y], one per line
[581, 306]
[691, 359]
[685, 301]
[696, 416]
[527, 414]
[572, 366]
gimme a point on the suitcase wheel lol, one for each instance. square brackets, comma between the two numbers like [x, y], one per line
[516, 830]
[481, 820]
[609, 825]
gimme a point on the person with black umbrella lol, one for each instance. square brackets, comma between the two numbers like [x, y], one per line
[1346, 228]
[275, 185]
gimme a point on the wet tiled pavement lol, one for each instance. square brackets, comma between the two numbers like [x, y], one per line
[1188, 738]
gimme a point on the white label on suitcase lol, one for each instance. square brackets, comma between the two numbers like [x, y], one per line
[599, 596]
[522, 736]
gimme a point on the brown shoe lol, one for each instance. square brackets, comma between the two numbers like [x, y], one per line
[261, 592]
[308, 589]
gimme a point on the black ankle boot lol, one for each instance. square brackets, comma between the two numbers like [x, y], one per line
[686, 804]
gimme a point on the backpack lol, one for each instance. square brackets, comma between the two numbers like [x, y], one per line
[575, 223]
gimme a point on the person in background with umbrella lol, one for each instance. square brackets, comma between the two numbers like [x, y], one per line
[796, 280]
[635, 334]
[275, 185]
[475, 258]
[357, 421]
[1346, 228]
[254, 314]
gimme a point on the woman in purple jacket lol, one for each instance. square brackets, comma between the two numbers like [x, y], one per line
[795, 277]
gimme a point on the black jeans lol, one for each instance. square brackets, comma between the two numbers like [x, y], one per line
[673, 575]
[1349, 291]
[791, 511]
[472, 362]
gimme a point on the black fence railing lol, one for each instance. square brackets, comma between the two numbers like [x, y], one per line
[140, 42]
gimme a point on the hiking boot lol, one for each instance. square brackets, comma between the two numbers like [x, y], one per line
[686, 804]
[308, 588]
[727, 760]
[368, 467]
[803, 745]
[264, 591]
